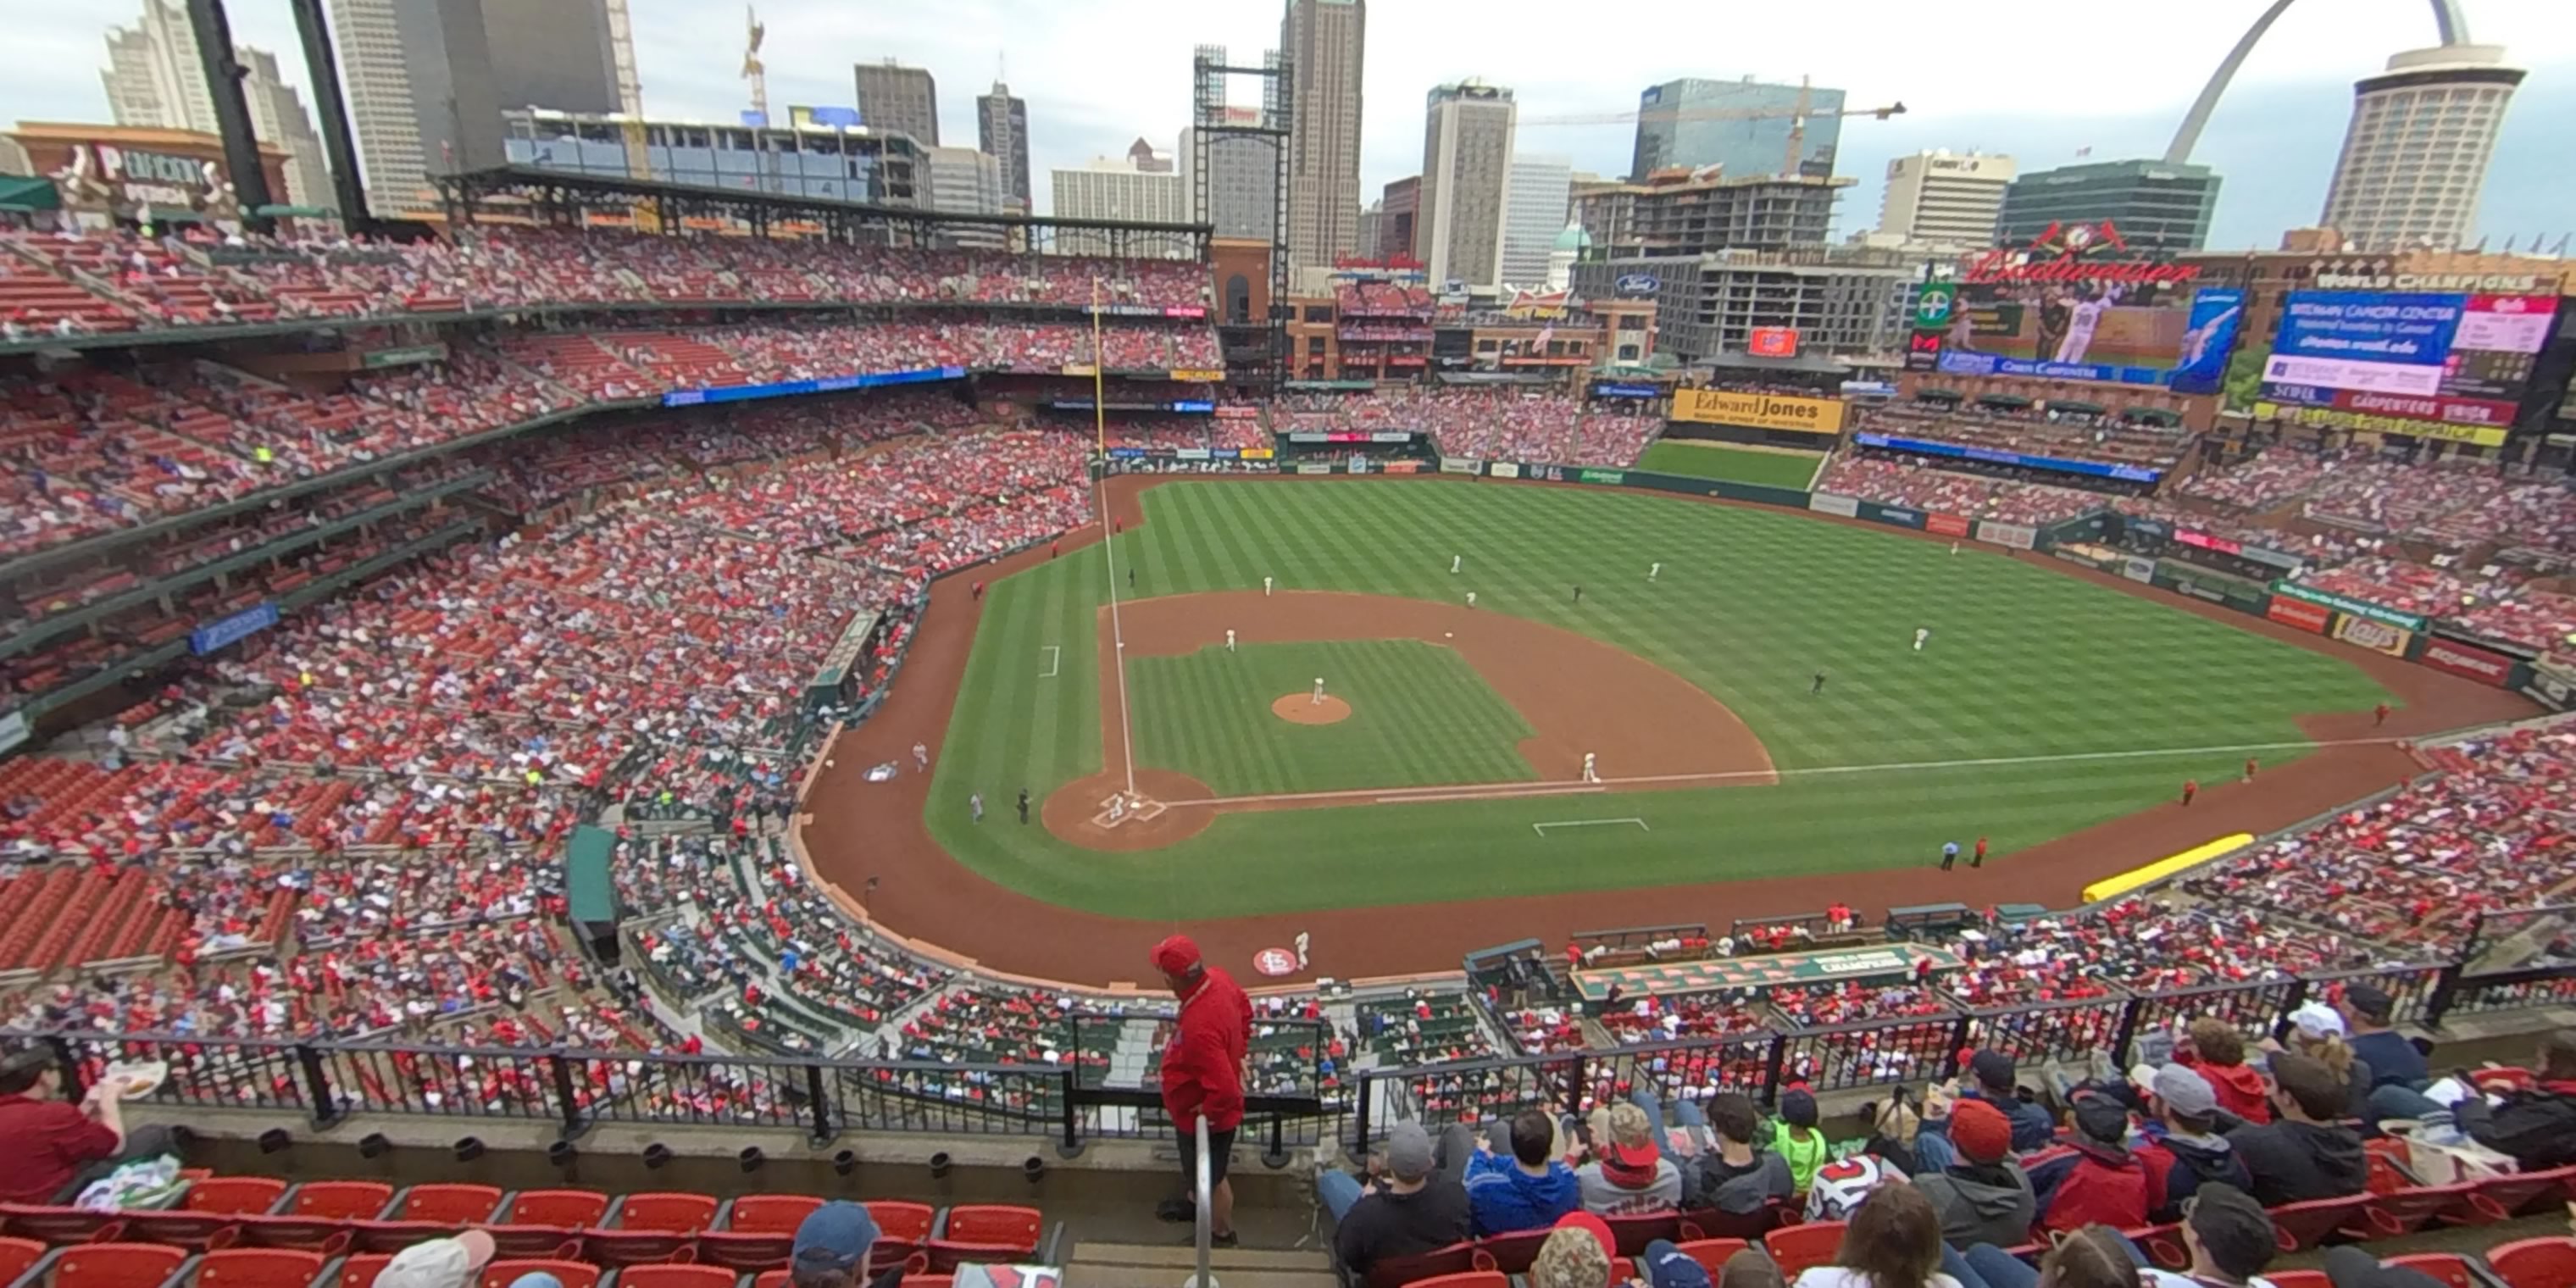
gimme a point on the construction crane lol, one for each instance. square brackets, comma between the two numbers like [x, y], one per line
[753, 69]
[1797, 116]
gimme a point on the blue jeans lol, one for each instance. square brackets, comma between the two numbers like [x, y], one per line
[2397, 1100]
[1692, 1120]
[1339, 1190]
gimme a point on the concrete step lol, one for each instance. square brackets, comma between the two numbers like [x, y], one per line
[1136, 1265]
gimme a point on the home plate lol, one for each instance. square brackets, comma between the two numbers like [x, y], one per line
[1126, 807]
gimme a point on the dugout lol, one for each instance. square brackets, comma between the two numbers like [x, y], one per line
[1608, 948]
[1920, 919]
[1801, 930]
[1517, 970]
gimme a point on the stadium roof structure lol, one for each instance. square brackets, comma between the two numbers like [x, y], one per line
[2448, 20]
[560, 196]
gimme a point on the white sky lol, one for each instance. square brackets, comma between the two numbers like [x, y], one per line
[2035, 78]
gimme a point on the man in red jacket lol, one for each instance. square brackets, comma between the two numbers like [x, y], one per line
[1203, 1074]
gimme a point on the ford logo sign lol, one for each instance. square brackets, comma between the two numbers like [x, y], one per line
[1637, 284]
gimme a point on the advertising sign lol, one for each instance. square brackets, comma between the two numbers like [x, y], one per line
[1633, 285]
[2353, 607]
[1610, 478]
[1314, 467]
[827, 385]
[2299, 613]
[1925, 447]
[1945, 525]
[2093, 255]
[1934, 304]
[2463, 359]
[13, 729]
[2352, 628]
[1197, 374]
[1773, 342]
[233, 629]
[2137, 569]
[2104, 333]
[1256, 453]
[2474, 663]
[2483, 436]
[1923, 351]
[1461, 465]
[1828, 503]
[1610, 389]
[1504, 469]
[1758, 411]
[2552, 685]
[2017, 536]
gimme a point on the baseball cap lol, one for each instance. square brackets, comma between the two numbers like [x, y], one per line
[1798, 1107]
[2318, 1020]
[2101, 1118]
[1981, 1132]
[2233, 1227]
[1594, 1226]
[1667, 1266]
[2370, 1000]
[1993, 1069]
[1632, 1142]
[536, 1279]
[1408, 1152]
[2183, 1089]
[834, 1239]
[2350, 1267]
[1573, 1257]
[438, 1263]
[1176, 955]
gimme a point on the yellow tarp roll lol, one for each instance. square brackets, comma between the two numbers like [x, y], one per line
[2112, 886]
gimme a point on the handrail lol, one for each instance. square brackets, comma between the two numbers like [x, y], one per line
[1204, 1224]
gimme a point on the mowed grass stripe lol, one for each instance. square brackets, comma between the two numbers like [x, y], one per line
[2022, 662]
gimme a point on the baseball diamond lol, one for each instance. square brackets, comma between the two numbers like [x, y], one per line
[2053, 712]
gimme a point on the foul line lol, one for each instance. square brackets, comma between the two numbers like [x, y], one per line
[1117, 637]
[1489, 791]
[1055, 660]
[1541, 828]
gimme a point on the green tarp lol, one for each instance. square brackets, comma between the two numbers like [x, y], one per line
[27, 194]
[589, 887]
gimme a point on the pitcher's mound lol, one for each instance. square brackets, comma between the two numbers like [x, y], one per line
[1301, 708]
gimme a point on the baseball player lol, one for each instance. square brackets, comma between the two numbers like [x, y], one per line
[1229, 641]
[1471, 599]
[1302, 941]
[1590, 774]
[1265, 587]
[1954, 549]
[1819, 686]
[1319, 692]
[1117, 807]
[1654, 570]
[1949, 854]
[975, 806]
[1455, 563]
[920, 756]
[2190, 788]
[1921, 633]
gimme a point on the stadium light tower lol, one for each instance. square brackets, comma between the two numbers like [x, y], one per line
[2447, 18]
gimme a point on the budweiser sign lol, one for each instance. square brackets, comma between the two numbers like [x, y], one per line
[2075, 253]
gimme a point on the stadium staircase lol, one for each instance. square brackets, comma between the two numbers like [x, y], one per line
[1139, 1265]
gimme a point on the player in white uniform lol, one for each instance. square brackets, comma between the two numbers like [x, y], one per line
[1654, 570]
[1455, 563]
[1302, 942]
[1319, 692]
[2083, 320]
[1471, 599]
[1229, 641]
[1921, 633]
[1590, 774]
[1265, 586]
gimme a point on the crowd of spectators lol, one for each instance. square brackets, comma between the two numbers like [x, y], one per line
[2064, 435]
[1911, 482]
[1491, 422]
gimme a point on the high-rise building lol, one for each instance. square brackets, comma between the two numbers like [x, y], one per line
[895, 97]
[1607, 209]
[964, 181]
[1002, 133]
[1324, 41]
[1746, 126]
[421, 93]
[561, 54]
[1534, 217]
[1114, 189]
[1242, 177]
[1703, 213]
[155, 78]
[1466, 182]
[2159, 208]
[1372, 220]
[1945, 198]
[1147, 160]
[1847, 300]
[1402, 206]
[2415, 155]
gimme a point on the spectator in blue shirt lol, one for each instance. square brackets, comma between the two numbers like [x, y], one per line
[1994, 1075]
[1526, 1191]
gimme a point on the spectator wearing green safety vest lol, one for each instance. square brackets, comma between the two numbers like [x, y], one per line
[1796, 1139]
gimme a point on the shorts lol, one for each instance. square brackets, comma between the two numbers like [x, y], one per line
[1220, 1153]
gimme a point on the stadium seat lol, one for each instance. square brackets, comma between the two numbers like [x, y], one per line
[2301, 1226]
[390, 1237]
[357, 1270]
[981, 1232]
[257, 1268]
[643, 1229]
[2298, 1279]
[56, 1226]
[1396, 1272]
[677, 1277]
[327, 1235]
[1709, 1223]
[2162, 1244]
[2407, 1210]
[112, 1265]
[1797, 1247]
[689, 1213]
[903, 1232]
[574, 1274]
[1633, 1233]
[234, 1194]
[1512, 1253]
[757, 1231]
[562, 1209]
[339, 1200]
[1462, 1279]
[16, 1255]
[447, 1204]
[2449, 1267]
[2522, 1193]
[209, 1214]
[2535, 1263]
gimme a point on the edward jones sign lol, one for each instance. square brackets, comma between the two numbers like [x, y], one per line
[1759, 411]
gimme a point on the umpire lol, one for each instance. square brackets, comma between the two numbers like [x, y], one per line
[1203, 1075]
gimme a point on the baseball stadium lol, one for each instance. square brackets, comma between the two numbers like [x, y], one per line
[704, 738]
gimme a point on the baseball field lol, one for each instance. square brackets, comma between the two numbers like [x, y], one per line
[1766, 467]
[1437, 798]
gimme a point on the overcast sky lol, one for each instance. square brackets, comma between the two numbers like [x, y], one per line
[2035, 78]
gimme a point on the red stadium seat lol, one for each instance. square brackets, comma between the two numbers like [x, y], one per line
[676, 1277]
[562, 1209]
[258, 1268]
[2535, 1263]
[1512, 1253]
[980, 1232]
[574, 1274]
[116, 1265]
[2301, 1226]
[1633, 1233]
[2405, 1211]
[16, 1255]
[689, 1213]
[458, 1205]
[358, 1269]
[1798, 1247]
[234, 1194]
[757, 1231]
[1462, 1279]
[2522, 1193]
[772, 1279]
[903, 1232]
[2449, 1267]
[2162, 1244]
[1396, 1272]
[2298, 1279]
[340, 1200]
[1709, 1223]
[56, 1226]
[328, 1235]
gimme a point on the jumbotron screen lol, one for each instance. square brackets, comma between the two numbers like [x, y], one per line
[2106, 332]
[2452, 359]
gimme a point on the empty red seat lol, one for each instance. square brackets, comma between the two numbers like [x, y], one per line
[563, 1209]
[2301, 1226]
[678, 1277]
[1396, 1272]
[1511, 1253]
[664, 1211]
[757, 1231]
[235, 1194]
[981, 1232]
[903, 1232]
[258, 1268]
[574, 1274]
[447, 1204]
[56, 1226]
[116, 1265]
[1633, 1233]
[358, 1269]
[2535, 1263]
[1797, 1247]
[2162, 1244]
[2522, 1193]
[2404, 1211]
[16, 1255]
[343, 1200]
[2298, 1279]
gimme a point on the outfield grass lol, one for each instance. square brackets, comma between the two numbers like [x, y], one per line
[1419, 714]
[2023, 663]
[1734, 464]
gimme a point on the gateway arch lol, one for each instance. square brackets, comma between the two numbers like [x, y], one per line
[2454, 26]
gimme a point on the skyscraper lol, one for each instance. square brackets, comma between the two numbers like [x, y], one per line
[155, 77]
[1945, 198]
[1002, 133]
[1114, 189]
[895, 97]
[964, 181]
[1401, 205]
[1242, 177]
[1534, 217]
[2415, 155]
[1324, 41]
[2159, 208]
[560, 54]
[1466, 182]
[1745, 126]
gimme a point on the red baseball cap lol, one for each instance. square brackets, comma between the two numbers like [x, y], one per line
[1594, 1226]
[1178, 955]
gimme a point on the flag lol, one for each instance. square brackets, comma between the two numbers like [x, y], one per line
[2085, 151]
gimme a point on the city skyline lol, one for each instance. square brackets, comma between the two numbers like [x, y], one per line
[2274, 139]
